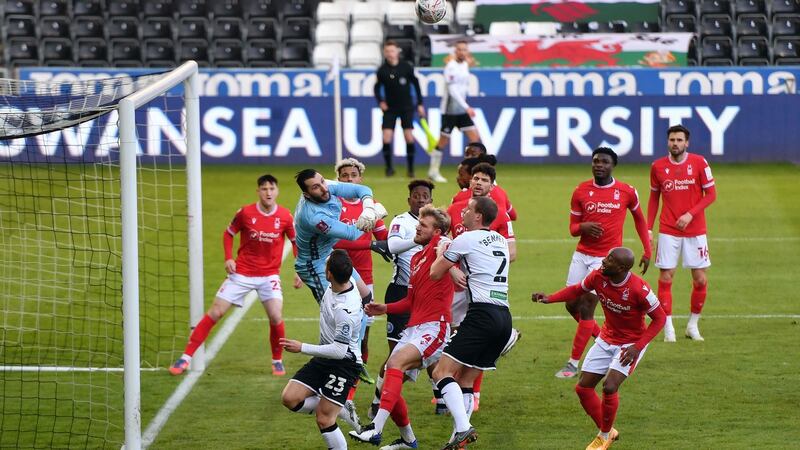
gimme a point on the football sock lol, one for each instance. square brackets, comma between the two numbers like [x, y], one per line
[199, 334]
[308, 406]
[390, 395]
[668, 324]
[387, 155]
[407, 434]
[476, 385]
[582, 335]
[410, 157]
[574, 361]
[698, 297]
[334, 439]
[591, 403]
[693, 320]
[276, 332]
[454, 399]
[380, 419]
[665, 296]
[352, 393]
[610, 405]
[378, 387]
[469, 401]
[400, 413]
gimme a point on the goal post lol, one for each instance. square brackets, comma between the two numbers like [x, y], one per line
[185, 74]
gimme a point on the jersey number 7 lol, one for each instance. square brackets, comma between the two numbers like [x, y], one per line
[498, 276]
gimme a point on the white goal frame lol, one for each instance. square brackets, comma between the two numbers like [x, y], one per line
[187, 74]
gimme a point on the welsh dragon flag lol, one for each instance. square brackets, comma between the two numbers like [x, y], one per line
[488, 11]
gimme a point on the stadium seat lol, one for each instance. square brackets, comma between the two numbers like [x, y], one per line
[87, 8]
[714, 7]
[261, 53]
[718, 62]
[192, 28]
[715, 25]
[408, 50]
[56, 49]
[753, 62]
[787, 61]
[425, 54]
[465, 12]
[680, 23]
[540, 28]
[20, 7]
[54, 27]
[159, 51]
[505, 29]
[295, 53]
[297, 8]
[366, 31]
[324, 54]
[645, 27]
[192, 49]
[751, 25]
[364, 55]
[750, 7]
[784, 7]
[19, 26]
[786, 47]
[157, 8]
[716, 47]
[785, 25]
[53, 8]
[157, 27]
[296, 28]
[262, 28]
[123, 8]
[93, 63]
[438, 28]
[608, 27]
[125, 51]
[367, 11]
[334, 11]
[164, 64]
[260, 8]
[191, 8]
[401, 13]
[400, 32]
[22, 49]
[227, 28]
[331, 31]
[573, 27]
[226, 8]
[752, 47]
[229, 65]
[88, 26]
[92, 50]
[227, 50]
[678, 7]
[123, 27]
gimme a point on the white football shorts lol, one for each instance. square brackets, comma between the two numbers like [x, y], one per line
[429, 338]
[236, 287]
[692, 250]
[604, 356]
[580, 266]
[459, 307]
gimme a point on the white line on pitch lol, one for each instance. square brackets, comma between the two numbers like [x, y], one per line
[685, 316]
[711, 239]
[158, 422]
[71, 369]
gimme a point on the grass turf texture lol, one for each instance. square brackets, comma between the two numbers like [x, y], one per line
[736, 390]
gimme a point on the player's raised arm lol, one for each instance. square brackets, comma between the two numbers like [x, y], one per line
[349, 190]
[336, 228]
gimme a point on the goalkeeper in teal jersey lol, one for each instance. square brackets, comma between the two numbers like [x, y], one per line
[318, 227]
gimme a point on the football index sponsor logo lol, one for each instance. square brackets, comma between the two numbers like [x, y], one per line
[263, 236]
[677, 185]
[602, 207]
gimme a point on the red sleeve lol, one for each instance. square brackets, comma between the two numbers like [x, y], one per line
[641, 230]
[652, 203]
[403, 306]
[353, 245]
[227, 244]
[709, 195]
[512, 213]
[290, 233]
[659, 318]
[575, 214]
[567, 294]
[380, 232]
[574, 225]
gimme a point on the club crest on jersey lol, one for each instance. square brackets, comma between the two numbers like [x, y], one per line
[625, 294]
[616, 194]
[689, 170]
[277, 223]
[591, 193]
[323, 227]
[253, 220]
[667, 170]
[419, 264]
[605, 283]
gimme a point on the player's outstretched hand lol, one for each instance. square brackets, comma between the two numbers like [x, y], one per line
[375, 309]
[540, 297]
[372, 213]
[459, 279]
[381, 248]
[230, 266]
[629, 355]
[298, 282]
[290, 345]
[443, 245]
[644, 263]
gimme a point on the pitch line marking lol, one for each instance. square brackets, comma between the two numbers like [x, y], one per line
[526, 318]
[157, 423]
[711, 239]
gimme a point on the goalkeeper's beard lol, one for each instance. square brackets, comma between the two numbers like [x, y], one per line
[319, 199]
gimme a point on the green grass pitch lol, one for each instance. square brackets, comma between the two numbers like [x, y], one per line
[738, 389]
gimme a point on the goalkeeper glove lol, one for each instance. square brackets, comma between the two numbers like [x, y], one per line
[381, 248]
[372, 213]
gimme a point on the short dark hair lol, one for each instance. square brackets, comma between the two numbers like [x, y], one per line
[678, 129]
[267, 179]
[417, 183]
[487, 208]
[485, 168]
[340, 266]
[469, 163]
[390, 42]
[606, 151]
[479, 146]
[303, 175]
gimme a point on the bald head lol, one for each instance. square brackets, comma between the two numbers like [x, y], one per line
[624, 257]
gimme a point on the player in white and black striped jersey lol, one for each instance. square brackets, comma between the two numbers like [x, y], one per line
[484, 258]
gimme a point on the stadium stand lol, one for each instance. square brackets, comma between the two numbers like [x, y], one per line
[314, 33]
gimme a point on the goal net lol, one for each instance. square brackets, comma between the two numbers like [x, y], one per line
[95, 221]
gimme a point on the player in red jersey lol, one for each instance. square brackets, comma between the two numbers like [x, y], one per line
[625, 299]
[351, 170]
[263, 226]
[425, 335]
[498, 194]
[597, 214]
[686, 183]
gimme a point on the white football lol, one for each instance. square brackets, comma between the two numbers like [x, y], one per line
[431, 11]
